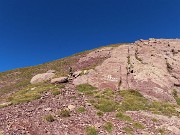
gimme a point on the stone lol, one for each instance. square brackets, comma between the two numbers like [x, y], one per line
[42, 77]
[174, 129]
[77, 73]
[85, 72]
[51, 71]
[5, 104]
[59, 80]
[71, 107]
[33, 88]
[48, 109]
[98, 125]
[178, 110]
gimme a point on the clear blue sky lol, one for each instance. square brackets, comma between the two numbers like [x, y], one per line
[37, 31]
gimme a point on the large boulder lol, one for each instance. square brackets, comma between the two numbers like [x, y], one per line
[42, 77]
[59, 80]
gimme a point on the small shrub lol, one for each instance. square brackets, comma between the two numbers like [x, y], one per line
[81, 109]
[161, 131]
[175, 95]
[138, 125]
[49, 118]
[99, 113]
[64, 113]
[86, 89]
[108, 126]
[128, 130]
[91, 131]
[154, 120]
[177, 101]
[123, 117]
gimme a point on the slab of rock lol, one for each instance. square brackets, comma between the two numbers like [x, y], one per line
[42, 77]
[71, 107]
[77, 73]
[149, 66]
[174, 129]
[48, 109]
[51, 71]
[59, 80]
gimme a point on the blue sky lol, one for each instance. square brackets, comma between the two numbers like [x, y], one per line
[37, 31]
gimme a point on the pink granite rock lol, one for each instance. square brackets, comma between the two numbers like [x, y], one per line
[150, 66]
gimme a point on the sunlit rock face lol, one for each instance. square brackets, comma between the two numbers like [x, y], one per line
[150, 66]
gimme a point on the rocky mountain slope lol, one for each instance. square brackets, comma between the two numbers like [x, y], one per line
[118, 89]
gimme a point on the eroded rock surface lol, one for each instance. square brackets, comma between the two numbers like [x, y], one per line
[42, 77]
[150, 66]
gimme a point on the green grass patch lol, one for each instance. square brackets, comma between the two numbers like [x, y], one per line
[154, 120]
[86, 89]
[175, 95]
[123, 117]
[108, 126]
[100, 114]
[138, 125]
[55, 92]
[49, 118]
[81, 109]
[64, 113]
[106, 94]
[91, 131]
[129, 130]
[161, 131]
[132, 101]
[105, 105]
[104, 101]
[31, 92]
[162, 108]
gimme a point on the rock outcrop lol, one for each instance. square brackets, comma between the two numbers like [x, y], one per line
[59, 80]
[150, 66]
[42, 77]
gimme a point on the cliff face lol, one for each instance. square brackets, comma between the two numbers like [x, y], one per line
[150, 66]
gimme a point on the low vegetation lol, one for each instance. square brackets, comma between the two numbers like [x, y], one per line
[129, 130]
[138, 125]
[64, 113]
[123, 117]
[91, 131]
[31, 92]
[86, 89]
[108, 126]
[49, 118]
[100, 114]
[161, 131]
[81, 109]
[175, 95]
[132, 100]
[55, 92]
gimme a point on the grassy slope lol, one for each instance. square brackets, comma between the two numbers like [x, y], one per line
[17, 79]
